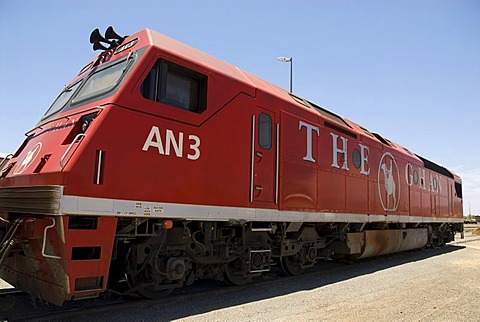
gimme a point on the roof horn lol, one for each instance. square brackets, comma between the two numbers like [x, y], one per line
[111, 38]
[111, 34]
[96, 38]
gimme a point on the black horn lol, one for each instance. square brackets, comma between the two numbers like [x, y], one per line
[95, 37]
[111, 34]
[98, 45]
[111, 38]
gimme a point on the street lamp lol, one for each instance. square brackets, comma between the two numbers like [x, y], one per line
[288, 60]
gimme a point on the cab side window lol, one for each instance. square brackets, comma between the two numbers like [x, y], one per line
[265, 131]
[177, 86]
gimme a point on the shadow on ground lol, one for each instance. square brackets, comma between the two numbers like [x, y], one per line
[325, 273]
[208, 295]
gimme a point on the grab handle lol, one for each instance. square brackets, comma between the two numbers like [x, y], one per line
[45, 240]
[78, 137]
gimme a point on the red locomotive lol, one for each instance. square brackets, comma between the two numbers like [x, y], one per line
[159, 165]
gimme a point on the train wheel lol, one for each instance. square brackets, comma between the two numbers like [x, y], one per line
[235, 273]
[144, 279]
[439, 242]
[292, 265]
[145, 287]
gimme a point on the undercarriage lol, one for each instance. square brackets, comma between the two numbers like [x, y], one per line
[153, 257]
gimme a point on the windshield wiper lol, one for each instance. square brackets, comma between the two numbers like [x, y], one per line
[67, 88]
[127, 64]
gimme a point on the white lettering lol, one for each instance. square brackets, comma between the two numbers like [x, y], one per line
[310, 128]
[421, 174]
[408, 175]
[434, 184]
[337, 151]
[154, 133]
[364, 156]
[194, 147]
[171, 141]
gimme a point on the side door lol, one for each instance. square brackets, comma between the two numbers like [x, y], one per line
[264, 157]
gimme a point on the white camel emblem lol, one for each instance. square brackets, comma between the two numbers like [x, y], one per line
[389, 183]
[29, 158]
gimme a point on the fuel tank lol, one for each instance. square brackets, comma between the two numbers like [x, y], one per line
[380, 242]
[370, 243]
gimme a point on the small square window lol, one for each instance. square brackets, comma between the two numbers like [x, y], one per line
[176, 86]
[181, 91]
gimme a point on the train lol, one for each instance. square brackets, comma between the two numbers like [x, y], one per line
[159, 165]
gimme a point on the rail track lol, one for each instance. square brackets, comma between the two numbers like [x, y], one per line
[10, 292]
[18, 306]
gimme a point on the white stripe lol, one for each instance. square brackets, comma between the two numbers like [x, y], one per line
[77, 205]
[99, 166]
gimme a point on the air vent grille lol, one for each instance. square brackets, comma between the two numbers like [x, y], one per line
[31, 200]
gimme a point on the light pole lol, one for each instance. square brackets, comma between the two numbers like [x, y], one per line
[288, 60]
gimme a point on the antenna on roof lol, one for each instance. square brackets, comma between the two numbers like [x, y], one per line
[111, 38]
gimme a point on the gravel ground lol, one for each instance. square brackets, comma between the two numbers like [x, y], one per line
[440, 287]
[432, 285]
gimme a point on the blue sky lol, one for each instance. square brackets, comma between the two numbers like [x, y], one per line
[409, 70]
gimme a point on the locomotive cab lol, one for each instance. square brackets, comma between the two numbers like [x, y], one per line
[134, 110]
[53, 256]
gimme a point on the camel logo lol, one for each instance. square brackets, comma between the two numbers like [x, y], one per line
[388, 182]
[29, 158]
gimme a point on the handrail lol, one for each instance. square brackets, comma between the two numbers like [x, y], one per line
[80, 135]
[252, 160]
[277, 162]
[45, 240]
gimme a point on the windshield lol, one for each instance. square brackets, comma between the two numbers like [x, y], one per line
[62, 99]
[102, 81]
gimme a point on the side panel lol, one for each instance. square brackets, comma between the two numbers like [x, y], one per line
[150, 158]
[298, 177]
[330, 168]
[88, 253]
[263, 157]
